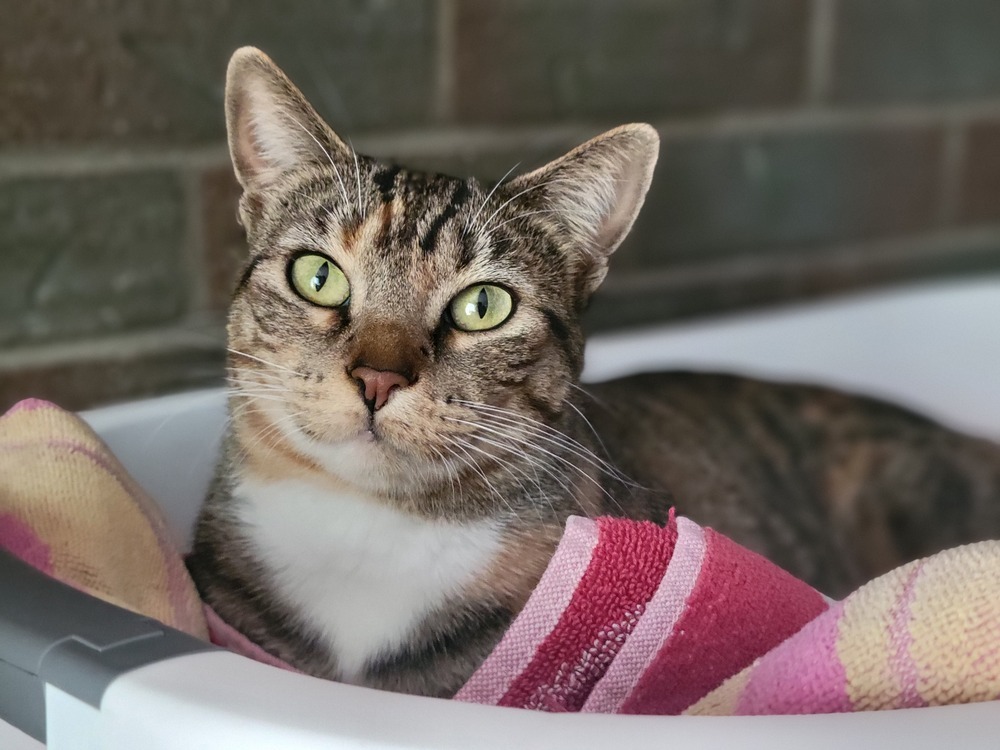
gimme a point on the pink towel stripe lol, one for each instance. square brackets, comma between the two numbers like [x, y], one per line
[901, 640]
[657, 623]
[539, 617]
[627, 566]
[800, 675]
[705, 649]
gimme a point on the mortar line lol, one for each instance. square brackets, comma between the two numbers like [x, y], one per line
[447, 140]
[819, 52]
[952, 171]
[444, 100]
[860, 253]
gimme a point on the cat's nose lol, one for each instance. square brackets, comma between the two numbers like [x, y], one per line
[377, 385]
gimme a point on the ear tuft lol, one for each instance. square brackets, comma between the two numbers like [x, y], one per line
[596, 191]
[272, 128]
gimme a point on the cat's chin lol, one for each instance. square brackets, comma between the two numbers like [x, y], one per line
[370, 460]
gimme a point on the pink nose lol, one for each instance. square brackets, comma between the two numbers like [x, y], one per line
[378, 385]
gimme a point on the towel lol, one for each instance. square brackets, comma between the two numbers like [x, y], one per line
[629, 617]
[925, 634]
[69, 508]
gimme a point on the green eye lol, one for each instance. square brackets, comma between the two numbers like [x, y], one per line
[481, 307]
[319, 281]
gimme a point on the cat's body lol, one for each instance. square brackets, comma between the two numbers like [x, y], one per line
[408, 436]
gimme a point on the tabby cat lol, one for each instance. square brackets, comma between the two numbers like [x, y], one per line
[408, 435]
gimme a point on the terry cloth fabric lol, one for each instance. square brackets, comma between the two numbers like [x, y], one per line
[635, 618]
[926, 634]
[70, 509]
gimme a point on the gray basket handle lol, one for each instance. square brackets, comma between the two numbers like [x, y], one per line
[50, 633]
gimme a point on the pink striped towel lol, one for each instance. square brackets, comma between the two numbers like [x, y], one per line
[631, 617]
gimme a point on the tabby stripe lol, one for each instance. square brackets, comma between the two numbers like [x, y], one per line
[385, 181]
[248, 272]
[542, 407]
[561, 333]
[559, 329]
[459, 197]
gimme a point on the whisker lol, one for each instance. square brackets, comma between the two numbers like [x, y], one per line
[475, 467]
[542, 494]
[555, 456]
[550, 435]
[468, 224]
[486, 224]
[336, 171]
[275, 365]
[357, 172]
[525, 215]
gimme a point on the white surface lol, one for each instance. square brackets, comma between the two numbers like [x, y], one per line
[223, 701]
[14, 739]
[935, 348]
[70, 724]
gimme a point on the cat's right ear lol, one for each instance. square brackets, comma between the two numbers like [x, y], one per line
[273, 130]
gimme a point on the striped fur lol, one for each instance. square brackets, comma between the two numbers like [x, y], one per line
[494, 431]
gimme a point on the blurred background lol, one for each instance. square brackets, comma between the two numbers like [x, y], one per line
[809, 147]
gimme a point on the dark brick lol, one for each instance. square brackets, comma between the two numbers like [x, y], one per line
[89, 383]
[629, 300]
[224, 241]
[980, 199]
[916, 50]
[89, 255]
[148, 71]
[756, 195]
[529, 60]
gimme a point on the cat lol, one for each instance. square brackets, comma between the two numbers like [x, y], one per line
[408, 434]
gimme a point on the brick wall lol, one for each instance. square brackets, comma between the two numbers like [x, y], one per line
[810, 146]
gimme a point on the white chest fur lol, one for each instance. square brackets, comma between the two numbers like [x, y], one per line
[359, 572]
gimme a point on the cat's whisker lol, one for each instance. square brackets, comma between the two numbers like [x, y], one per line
[256, 385]
[476, 468]
[618, 474]
[550, 454]
[257, 396]
[472, 219]
[486, 224]
[336, 171]
[550, 435]
[524, 215]
[357, 172]
[311, 198]
[523, 490]
[543, 430]
[448, 471]
[269, 436]
[588, 394]
[530, 461]
[275, 365]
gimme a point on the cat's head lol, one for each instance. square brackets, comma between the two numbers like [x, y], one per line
[394, 326]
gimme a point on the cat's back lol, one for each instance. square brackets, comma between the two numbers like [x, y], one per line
[835, 488]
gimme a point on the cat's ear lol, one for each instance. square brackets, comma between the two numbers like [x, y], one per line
[595, 191]
[273, 130]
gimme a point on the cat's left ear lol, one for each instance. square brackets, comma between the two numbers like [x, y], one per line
[595, 191]
[273, 130]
